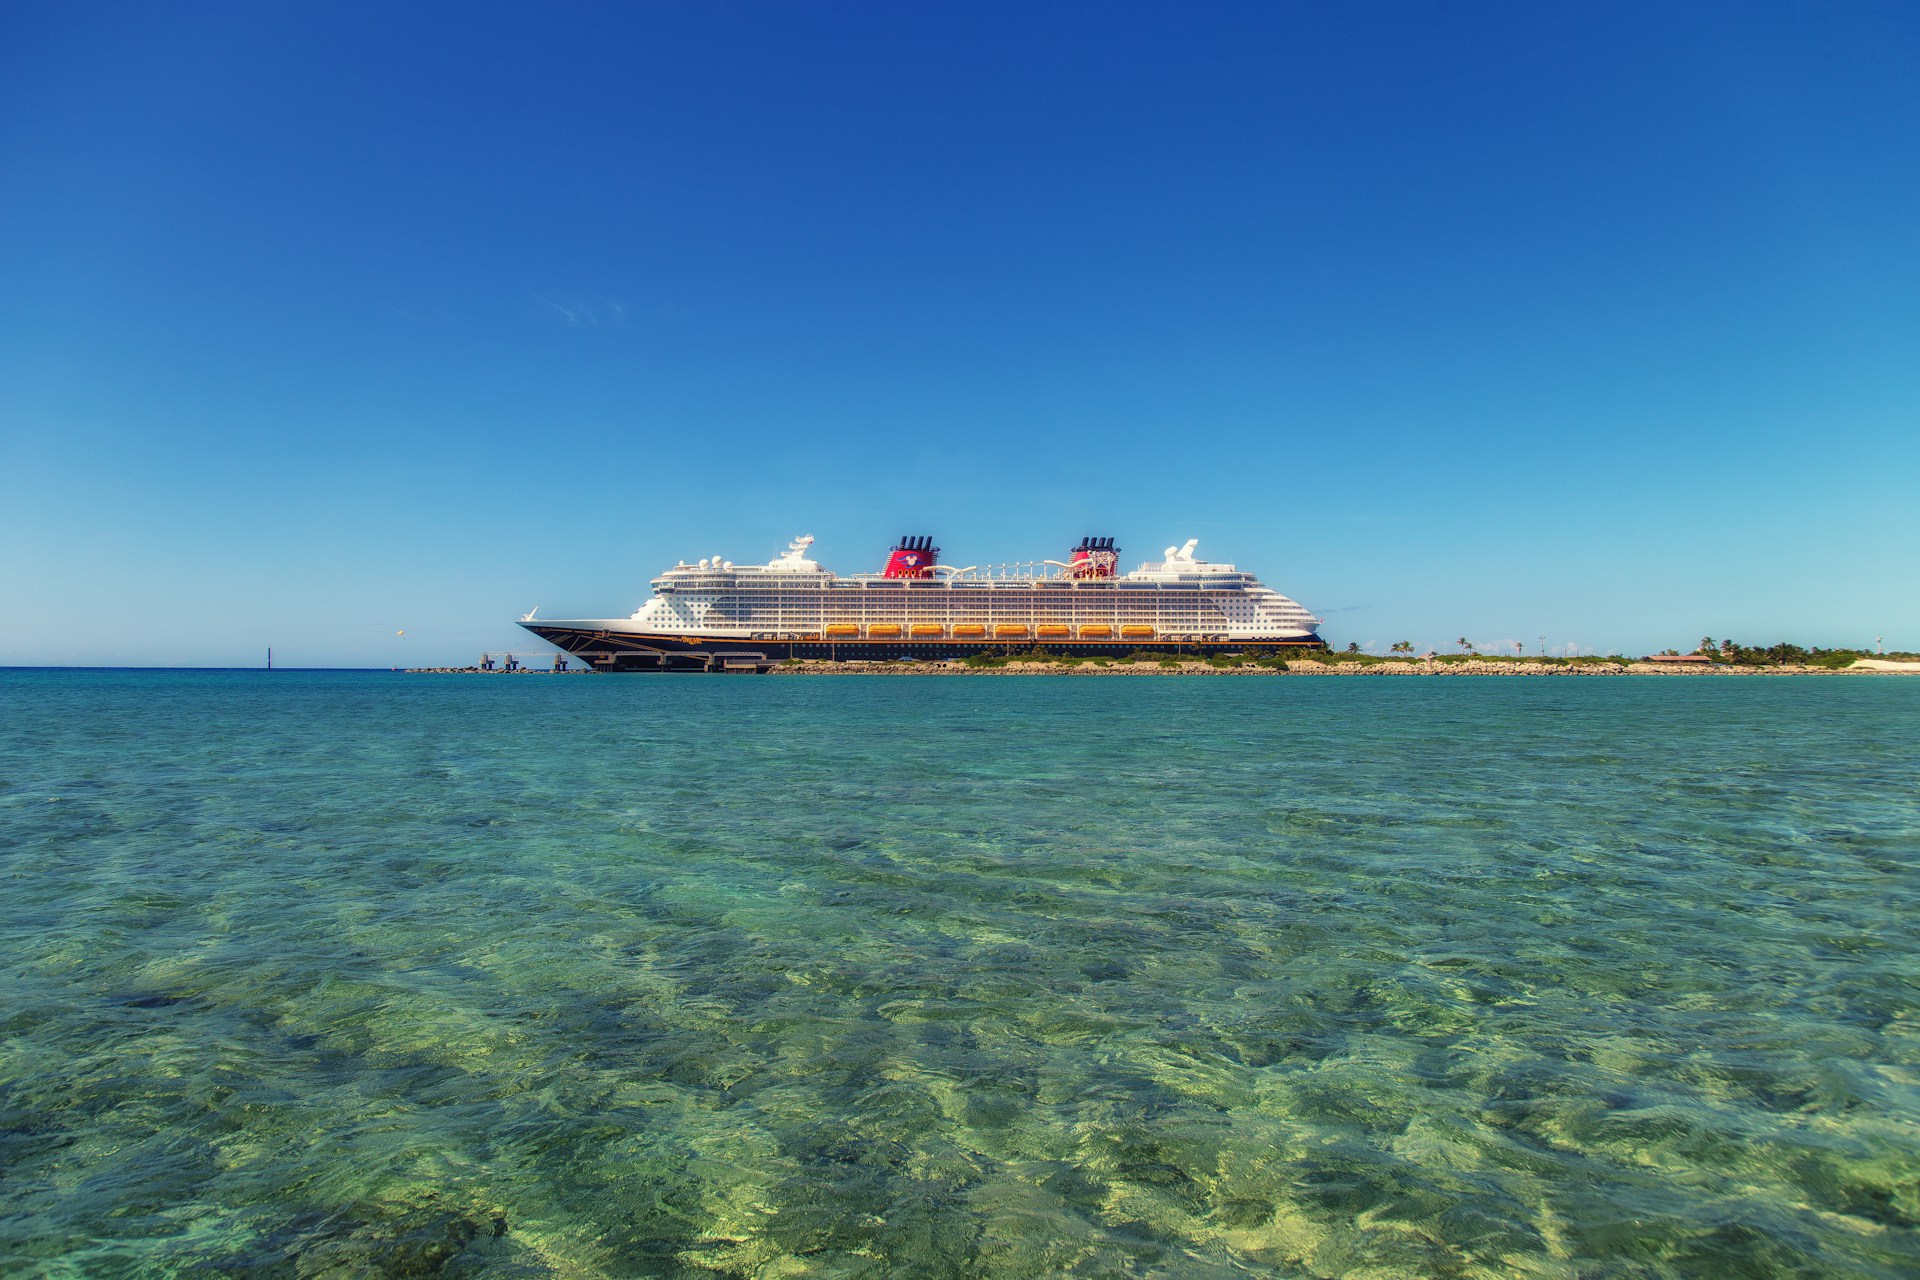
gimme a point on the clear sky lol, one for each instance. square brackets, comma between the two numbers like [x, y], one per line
[324, 321]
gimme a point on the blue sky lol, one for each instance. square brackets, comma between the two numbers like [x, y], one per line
[319, 322]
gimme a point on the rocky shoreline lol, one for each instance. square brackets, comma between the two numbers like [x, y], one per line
[1299, 667]
[1309, 668]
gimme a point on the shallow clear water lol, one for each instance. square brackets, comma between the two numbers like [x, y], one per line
[343, 974]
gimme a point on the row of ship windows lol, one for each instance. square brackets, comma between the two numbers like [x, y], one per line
[1049, 618]
[1049, 622]
[724, 587]
[980, 607]
[973, 605]
[943, 606]
[742, 611]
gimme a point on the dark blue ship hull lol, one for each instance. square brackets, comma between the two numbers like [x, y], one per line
[604, 650]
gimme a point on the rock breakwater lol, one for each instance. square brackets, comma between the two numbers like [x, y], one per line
[1310, 668]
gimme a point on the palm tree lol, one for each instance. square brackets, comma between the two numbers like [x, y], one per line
[1466, 645]
[1353, 646]
[1706, 645]
[1401, 646]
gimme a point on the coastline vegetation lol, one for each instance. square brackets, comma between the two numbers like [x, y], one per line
[1734, 654]
[1723, 652]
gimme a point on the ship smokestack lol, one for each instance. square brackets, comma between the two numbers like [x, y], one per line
[1095, 558]
[913, 557]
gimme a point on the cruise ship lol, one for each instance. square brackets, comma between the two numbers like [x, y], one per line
[715, 615]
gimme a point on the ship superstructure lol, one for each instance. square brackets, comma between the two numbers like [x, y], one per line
[716, 615]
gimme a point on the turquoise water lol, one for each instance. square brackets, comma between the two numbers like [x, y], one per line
[369, 974]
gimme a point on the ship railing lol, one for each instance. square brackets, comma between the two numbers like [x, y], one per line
[1013, 571]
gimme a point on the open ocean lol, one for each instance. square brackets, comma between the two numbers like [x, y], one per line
[336, 974]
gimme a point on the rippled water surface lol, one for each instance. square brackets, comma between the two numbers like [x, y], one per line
[365, 974]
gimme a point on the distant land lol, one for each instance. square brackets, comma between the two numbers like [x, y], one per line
[1739, 662]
